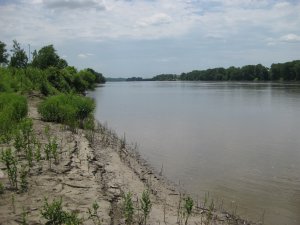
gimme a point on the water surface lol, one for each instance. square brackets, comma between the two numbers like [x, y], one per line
[239, 141]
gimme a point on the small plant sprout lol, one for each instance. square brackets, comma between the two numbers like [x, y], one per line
[23, 177]
[29, 156]
[146, 205]
[93, 214]
[47, 131]
[188, 207]
[24, 217]
[128, 209]
[37, 153]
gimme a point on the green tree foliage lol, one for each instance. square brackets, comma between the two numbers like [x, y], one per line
[165, 77]
[288, 71]
[19, 58]
[99, 76]
[3, 53]
[46, 57]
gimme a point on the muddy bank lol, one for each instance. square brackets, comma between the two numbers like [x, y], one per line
[97, 166]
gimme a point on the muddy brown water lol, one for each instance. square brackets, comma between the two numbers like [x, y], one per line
[238, 141]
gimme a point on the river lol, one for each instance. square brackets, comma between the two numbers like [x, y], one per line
[238, 141]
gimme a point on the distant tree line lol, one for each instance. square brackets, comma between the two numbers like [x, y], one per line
[47, 72]
[289, 71]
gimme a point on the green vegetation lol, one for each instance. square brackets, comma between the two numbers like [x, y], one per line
[13, 108]
[47, 73]
[146, 205]
[128, 209]
[73, 110]
[54, 214]
[93, 214]
[289, 71]
[10, 161]
[188, 207]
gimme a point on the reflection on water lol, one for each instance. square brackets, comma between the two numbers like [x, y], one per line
[239, 141]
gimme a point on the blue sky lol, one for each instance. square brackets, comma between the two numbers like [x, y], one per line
[123, 38]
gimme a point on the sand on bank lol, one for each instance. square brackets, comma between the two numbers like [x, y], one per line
[95, 167]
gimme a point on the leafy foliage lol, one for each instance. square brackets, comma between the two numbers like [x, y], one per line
[19, 58]
[46, 57]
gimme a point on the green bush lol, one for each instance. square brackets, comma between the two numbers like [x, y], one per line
[68, 109]
[13, 108]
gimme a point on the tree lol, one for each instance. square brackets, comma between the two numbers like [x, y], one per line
[3, 53]
[99, 77]
[46, 57]
[19, 58]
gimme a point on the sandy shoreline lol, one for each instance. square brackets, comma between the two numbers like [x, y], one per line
[96, 167]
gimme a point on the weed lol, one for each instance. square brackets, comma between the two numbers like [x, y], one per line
[128, 209]
[23, 177]
[54, 214]
[93, 214]
[146, 205]
[10, 161]
[37, 153]
[188, 207]
[24, 217]
[51, 151]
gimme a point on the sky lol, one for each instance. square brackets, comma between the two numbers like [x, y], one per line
[125, 38]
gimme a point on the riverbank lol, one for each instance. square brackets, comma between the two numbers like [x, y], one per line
[97, 166]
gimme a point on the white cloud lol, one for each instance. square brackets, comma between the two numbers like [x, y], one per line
[290, 38]
[156, 19]
[84, 55]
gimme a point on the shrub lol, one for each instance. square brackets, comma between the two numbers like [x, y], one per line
[69, 109]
